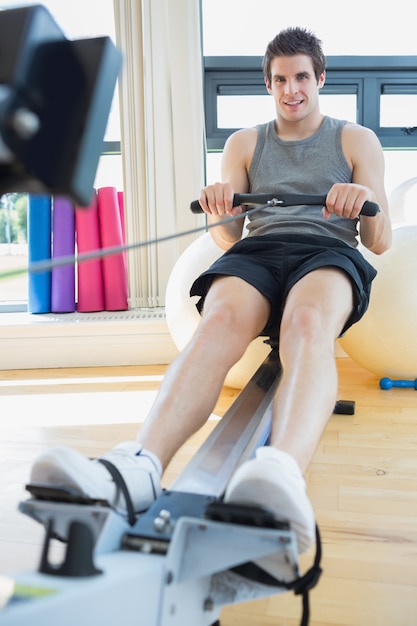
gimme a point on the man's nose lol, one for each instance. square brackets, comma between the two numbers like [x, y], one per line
[291, 87]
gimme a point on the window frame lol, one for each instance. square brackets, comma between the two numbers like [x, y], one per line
[365, 76]
[111, 147]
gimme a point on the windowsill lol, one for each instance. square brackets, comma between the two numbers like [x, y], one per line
[135, 337]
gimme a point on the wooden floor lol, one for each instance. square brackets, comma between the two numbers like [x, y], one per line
[362, 483]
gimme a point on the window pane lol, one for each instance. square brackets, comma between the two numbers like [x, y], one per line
[244, 111]
[398, 110]
[342, 106]
[97, 17]
[109, 172]
[401, 184]
[400, 165]
[244, 27]
[213, 167]
[113, 124]
[13, 246]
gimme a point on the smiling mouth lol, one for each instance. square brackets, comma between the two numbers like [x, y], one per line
[293, 103]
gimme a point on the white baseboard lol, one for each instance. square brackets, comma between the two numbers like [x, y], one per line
[136, 337]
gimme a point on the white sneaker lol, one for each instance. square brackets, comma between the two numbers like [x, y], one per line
[65, 467]
[274, 480]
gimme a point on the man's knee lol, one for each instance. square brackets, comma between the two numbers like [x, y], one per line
[304, 323]
[227, 329]
[220, 317]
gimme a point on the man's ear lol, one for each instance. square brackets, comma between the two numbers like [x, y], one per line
[322, 80]
[268, 85]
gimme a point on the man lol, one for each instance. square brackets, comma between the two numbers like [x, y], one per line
[297, 273]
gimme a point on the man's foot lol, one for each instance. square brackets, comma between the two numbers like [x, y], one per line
[64, 467]
[274, 480]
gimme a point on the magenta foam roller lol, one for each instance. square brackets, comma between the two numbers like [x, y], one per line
[114, 266]
[89, 273]
[63, 244]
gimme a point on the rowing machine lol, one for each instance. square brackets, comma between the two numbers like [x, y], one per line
[180, 562]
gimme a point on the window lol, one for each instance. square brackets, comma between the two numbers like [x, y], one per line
[378, 92]
[363, 83]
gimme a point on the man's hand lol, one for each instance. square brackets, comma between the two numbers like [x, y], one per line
[346, 200]
[217, 200]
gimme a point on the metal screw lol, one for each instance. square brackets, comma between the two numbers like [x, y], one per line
[26, 123]
[159, 524]
[163, 523]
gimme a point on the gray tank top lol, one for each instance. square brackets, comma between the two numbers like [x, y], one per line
[307, 166]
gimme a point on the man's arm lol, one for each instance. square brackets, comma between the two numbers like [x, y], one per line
[363, 150]
[217, 200]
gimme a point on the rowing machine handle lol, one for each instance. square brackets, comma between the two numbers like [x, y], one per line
[369, 209]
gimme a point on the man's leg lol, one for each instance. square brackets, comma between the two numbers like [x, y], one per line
[234, 314]
[315, 312]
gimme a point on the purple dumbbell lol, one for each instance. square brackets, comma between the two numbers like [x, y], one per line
[388, 383]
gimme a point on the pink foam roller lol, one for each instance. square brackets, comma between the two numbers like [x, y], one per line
[90, 273]
[114, 266]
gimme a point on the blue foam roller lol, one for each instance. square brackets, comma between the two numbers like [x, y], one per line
[39, 249]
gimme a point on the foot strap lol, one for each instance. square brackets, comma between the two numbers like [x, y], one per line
[120, 484]
[300, 586]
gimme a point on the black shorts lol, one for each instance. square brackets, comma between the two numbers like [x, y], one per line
[274, 263]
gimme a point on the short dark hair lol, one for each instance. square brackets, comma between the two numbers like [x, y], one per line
[293, 41]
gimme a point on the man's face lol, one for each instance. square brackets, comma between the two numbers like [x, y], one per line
[294, 86]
